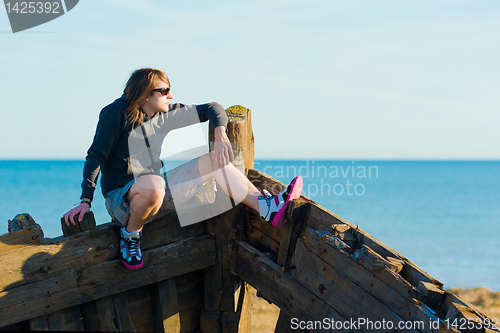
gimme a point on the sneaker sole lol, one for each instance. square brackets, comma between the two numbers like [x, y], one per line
[295, 190]
[132, 267]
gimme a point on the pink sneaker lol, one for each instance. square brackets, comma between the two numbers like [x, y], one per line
[273, 208]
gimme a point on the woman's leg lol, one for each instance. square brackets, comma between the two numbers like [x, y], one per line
[145, 199]
[231, 180]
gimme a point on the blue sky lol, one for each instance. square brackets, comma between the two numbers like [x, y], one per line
[324, 79]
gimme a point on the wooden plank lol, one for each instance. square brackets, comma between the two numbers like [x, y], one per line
[140, 304]
[29, 264]
[277, 287]
[291, 230]
[21, 221]
[107, 315]
[434, 295]
[411, 272]
[190, 319]
[86, 224]
[320, 219]
[123, 319]
[239, 321]
[190, 299]
[340, 293]
[245, 322]
[166, 230]
[221, 287]
[383, 283]
[93, 282]
[464, 319]
[39, 324]
[16, 239]
[261, 241]
[165, 307]
[256, 222]
[450, 301]
[90, 316]
[210, 321]
[69, 319]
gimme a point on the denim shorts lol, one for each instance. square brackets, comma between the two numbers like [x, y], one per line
[184, 189]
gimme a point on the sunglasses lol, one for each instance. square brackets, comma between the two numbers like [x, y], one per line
[163, 91]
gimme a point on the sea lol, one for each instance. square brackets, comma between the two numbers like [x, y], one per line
[442, 215]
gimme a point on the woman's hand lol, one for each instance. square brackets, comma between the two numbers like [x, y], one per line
[80, 209]
[223, 151]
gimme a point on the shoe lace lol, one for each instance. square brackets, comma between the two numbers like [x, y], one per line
[267, 194]
[132, 246]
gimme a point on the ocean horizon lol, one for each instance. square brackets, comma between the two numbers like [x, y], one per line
[434, 212]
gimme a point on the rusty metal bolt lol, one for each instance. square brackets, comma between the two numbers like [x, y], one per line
[287, 268]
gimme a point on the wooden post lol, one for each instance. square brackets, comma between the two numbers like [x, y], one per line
[224, 292]
[291, 230]
[167, 318]
[87, 224]
[239, 131]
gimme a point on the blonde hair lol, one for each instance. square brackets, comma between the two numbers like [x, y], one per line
[137, 91]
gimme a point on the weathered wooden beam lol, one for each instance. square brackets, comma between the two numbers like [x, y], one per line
[123, 320]
[411, 272]
[69, 319]
[166, 230]
[107, 315]
[86, 224]
[279, 287]
[339, 292]
[320, 219]
[165, 307]
[221, 287]
[434, 295]
[449, 306]
[238, 321]
[75, 287]
[260, 240]
[343, 232]
[291, 230]
[17, 239]
[29, 264]
[239, 132]
[382, 283]
[464, 319]
[20, 222]
[189, 288]
[254, 221]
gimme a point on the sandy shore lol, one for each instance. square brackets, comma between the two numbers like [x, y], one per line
[265, 315]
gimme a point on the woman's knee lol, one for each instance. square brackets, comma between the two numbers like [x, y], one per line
[151, 188]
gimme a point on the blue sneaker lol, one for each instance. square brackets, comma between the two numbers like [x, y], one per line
[130, 248]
